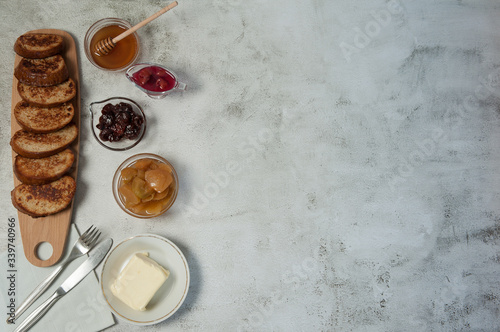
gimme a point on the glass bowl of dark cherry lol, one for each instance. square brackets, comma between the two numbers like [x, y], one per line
[154, 80]
[118, 123]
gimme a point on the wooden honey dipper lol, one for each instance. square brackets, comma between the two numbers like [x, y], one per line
[105, 46]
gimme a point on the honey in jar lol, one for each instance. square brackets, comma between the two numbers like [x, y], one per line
[121, 55]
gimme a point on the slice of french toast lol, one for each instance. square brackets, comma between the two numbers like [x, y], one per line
[42, 72]
[34, 145]
[38, 45]
[47, 95]
[40, 119]
[46, 199]
[43, 170]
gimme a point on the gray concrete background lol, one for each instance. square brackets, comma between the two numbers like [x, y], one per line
[365, 141]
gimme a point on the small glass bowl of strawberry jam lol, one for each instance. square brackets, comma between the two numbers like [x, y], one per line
[153, 79]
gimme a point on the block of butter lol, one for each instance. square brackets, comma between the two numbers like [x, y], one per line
[139, 280]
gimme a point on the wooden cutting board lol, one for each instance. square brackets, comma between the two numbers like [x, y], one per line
[53, 229]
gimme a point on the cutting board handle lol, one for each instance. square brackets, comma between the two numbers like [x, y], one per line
[40, 230]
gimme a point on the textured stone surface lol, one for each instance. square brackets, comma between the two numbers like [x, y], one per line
[338, 160]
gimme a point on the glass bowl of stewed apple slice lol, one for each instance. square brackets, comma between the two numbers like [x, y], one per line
[145, 185]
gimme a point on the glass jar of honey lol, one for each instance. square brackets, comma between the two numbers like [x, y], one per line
[123, 54]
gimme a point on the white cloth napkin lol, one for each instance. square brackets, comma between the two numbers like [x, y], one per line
[83, 309]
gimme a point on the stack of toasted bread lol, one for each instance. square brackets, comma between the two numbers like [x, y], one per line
[45, 115]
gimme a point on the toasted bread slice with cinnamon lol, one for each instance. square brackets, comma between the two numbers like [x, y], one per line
[38, 45]
[46, 199]
[42, 72]
[47, 95]
[34, 145]
[43, 170]
[40, 119]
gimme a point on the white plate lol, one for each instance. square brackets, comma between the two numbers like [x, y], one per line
[171, 294]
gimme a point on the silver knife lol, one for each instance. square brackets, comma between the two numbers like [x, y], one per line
[96, 256]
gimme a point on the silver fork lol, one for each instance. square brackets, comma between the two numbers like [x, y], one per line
[86, 241]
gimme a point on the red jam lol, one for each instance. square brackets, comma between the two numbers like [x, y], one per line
[154, 78]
